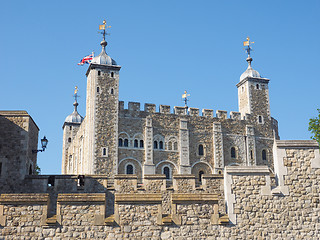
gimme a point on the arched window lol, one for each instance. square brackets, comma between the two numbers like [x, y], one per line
[99, 73]
[129, 169]
[155, 145]
[70, 127]
[69, 139]
[141, 143]
[135, 143]
[200, 176]
[120, 142]
[166, 171]
[233, 152]
[112, 74]
[104, 151]
[160, 145]
[200, 150]
[264, 155]
[98, 89]
[257, 86]
[126, 143]
[111, 91]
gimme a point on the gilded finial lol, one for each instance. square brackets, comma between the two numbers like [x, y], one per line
[76, 94]
[248, 48]
[185, 98]
[104, 27]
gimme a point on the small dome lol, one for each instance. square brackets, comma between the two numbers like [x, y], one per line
[250, 72]
[103, 57]
[74, 117]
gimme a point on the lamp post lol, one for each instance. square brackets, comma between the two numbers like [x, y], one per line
[44, 143]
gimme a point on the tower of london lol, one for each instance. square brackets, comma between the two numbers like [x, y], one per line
[113, 139]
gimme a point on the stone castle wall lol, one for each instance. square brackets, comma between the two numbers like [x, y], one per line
[259, 204]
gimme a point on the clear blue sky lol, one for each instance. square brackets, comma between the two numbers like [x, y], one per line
[164, 47]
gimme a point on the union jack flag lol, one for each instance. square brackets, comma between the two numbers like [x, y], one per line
[86, 60]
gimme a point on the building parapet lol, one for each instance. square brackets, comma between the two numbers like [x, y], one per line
[134, 108]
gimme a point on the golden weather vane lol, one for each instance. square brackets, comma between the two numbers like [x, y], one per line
[76, 93]
[247, 45]
[185, 97]
[104, 27]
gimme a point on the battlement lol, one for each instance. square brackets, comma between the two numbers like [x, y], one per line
[135, 107]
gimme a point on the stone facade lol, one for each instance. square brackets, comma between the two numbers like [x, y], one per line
[18, 137]
[113, 139]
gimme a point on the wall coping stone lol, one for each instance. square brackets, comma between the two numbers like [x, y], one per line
[125, 176]
[240, 170]
[138, 198]
[41, 198]
[297, 144]
[155, 176]
[81, 197]
[191, 197]
[184, 176]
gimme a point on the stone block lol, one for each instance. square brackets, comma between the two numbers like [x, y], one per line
[180, 110]
[164, 109]
[134, 106]
[194, 111]
[207, 112]
[222, 114]
[148, 107]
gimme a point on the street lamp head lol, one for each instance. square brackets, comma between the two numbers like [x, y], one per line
[44, 142]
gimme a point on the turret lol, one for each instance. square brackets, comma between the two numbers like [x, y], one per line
[253, 92]
[102, 114]
[70, 128]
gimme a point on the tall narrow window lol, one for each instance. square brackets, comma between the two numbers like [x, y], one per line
[160, 145]
[155, 145]
[200, 176]
[126, 143]
[70, 127]
[99, 73]
[260, 119]
[111, 91]
[129, 169]
[135, 143]
[200, 152]
[98, 89]
[30, 170]
[166, 171]
[175, 146]
[264, 155]
[112, 74]
[104, 152]
[233, 152]
[69, 139]
[120, 142]
[0, 168]
[251, 154]
[141, 143]
[257, 86]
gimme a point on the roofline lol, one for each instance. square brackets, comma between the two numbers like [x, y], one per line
[18, 113]
[261, 80]
[93, 66]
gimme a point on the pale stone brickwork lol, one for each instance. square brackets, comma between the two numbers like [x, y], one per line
[256, 206]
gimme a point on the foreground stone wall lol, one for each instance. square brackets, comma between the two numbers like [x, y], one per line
[260, 204]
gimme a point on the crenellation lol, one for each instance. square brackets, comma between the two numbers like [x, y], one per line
[165, 109]
[180, 110]
[148, 107]
[194, 111]
[235, 115]
[207, 113]
[134, 106]
[121, 105]
[222, 114]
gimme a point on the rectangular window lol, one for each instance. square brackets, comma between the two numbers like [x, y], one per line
[0, 168]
